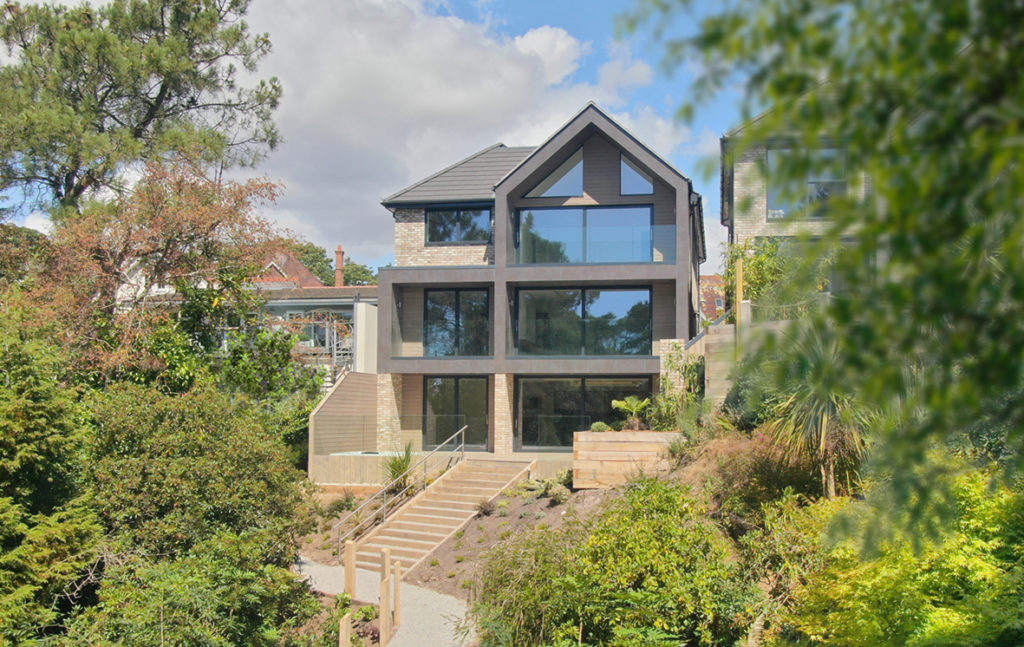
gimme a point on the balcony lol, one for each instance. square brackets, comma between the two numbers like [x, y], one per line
[594, 235]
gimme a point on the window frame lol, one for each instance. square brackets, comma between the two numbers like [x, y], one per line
[457, 210]
[517, 303]
[812, 209]
[623, 160]
[458, 319]
[517, 232]
[457, 393]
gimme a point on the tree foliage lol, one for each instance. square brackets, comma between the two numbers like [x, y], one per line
[169, 472]
[47, 534]
[923, 99]
[94, 89]
[112, 266]
[966, 589]
[651, 569]
[359, 274]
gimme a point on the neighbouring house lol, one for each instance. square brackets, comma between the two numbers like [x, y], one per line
[336, 324]
[531, 287]
[712, 296]
[753, 208]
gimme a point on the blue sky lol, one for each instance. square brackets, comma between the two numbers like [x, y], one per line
[380, 93]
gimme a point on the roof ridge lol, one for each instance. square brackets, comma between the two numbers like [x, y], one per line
[392, 197]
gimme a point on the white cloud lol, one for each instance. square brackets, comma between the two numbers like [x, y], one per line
[558, 52]
[39, 221]
[381, 93]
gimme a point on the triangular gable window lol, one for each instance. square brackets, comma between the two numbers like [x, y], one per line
[633, 180]
[565, 182]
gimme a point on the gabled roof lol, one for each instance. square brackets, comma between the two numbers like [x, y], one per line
[591, 115]
[470, 180]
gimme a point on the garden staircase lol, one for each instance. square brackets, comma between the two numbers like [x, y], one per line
[438, 512]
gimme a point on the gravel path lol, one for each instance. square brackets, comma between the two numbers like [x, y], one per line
[428, 617]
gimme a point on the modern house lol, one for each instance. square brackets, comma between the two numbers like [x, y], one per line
[531, 287]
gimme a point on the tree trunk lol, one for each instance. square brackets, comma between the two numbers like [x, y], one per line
[828, 473]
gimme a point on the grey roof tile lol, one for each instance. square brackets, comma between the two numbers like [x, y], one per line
[471, 179]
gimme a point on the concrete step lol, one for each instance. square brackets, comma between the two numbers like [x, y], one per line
[439, 510]
[418, 529]
[423, 518]
[464, 490]
[397, 552]
[436, 500]
[387, 538]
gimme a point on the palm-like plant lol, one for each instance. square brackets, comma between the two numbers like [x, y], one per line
[814, 417]
[632, 406]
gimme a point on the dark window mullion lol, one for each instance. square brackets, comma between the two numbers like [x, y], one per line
[583, 322]
[458, 330]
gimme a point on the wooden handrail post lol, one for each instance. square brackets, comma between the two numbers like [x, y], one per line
[397, 606]
[350, 568]
[385, 611]
[345, 630]
[385, 563]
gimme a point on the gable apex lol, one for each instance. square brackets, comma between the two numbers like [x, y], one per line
[592, 117]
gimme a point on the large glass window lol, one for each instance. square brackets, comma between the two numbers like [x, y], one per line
[550, 409]
[566, 181]
[456, 322]
[449, 403]
[458, 225]
[591, 235]
[826, 178]
[583, 321]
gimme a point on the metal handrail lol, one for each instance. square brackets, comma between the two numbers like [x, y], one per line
[704, 330]
[390, 496]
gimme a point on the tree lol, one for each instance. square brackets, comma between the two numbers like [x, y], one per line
[22, 251]
[170, 472]
[814, 417]
[358, 274]
[92, 90]
[927, 110]
[47, 535]
[178, 228]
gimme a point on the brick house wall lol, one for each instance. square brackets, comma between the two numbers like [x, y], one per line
[412, 250]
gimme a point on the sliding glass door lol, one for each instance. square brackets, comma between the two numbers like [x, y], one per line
[451, 402]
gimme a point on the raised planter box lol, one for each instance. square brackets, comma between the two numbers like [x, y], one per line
[609, 458]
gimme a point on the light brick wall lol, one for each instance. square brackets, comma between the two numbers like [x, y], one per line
[503, 412]
[389, 409]
[750, 215]
[412, 250]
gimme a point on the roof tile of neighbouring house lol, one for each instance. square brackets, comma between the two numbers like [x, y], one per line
[472, 179]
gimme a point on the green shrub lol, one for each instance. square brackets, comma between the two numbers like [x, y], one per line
[169, 472]
[395, 468]
[558, 494]
[748, 480]
[486, 507]
[345, 502]
[599, 426]
[966, 589]
[649, 567]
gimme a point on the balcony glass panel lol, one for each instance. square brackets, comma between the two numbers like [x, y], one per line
[577, 322]
[456, 323]
[618, 235]
[451, 402]
[593, 235]
[549, 322]
[550, 409]
[618, 322]
[551, 236]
